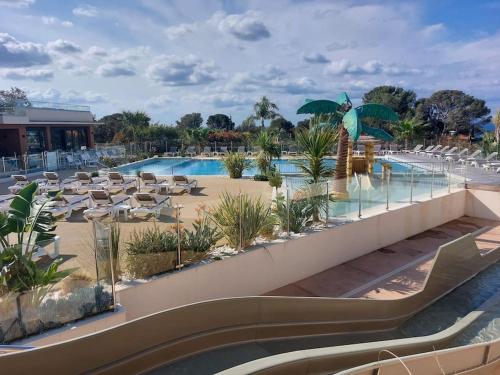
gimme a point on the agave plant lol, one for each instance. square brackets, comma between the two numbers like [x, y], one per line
[241, 218]
[348, 120]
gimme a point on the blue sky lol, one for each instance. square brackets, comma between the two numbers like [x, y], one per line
[174, 57]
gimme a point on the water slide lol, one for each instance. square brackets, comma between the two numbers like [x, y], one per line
[155, 342]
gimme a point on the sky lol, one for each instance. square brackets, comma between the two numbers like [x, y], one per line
[169, 58]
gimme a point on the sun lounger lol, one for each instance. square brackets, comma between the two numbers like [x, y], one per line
[151, 182]
[414, 150]
[457, 155]
[119, 183]
[450, 152]
[182, 183]
[440, 150]
[5, 202]
[488, 163]
[191, 151]
[484, 162]
[172, 152]
[428, 148]
[241, 150]
[293, 151]
[64, 205]
[470, 158]
[223, 151]
[21, 181]
[103, 204]
[207, 151]
[84, 182]
[149, 204]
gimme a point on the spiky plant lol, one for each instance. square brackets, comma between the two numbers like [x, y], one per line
[235, 164]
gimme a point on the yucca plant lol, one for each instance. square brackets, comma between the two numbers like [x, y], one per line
[269, 150]
[235, 164]
[293, 215]
[241, 218]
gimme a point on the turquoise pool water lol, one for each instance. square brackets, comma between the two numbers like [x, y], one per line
[212, 167]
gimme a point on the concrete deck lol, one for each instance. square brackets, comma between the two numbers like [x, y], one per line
[394, 271]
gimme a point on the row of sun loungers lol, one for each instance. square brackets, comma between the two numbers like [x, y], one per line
[95, 194]
[222, 151]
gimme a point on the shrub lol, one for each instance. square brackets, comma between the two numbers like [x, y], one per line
[109, 162]
[241, 218]
[235, 164]
[150, 251]
[298, 212]
[275, 179]
[202, 238]
[260, 177]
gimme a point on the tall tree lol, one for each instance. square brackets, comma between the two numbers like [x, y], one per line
[9, 98]
[190, 121]
[248, 125]
[350, 123]
[496, 121]
[220, 121]
[109, 127]
[137, 118]
[452, 110]
[407, 130]
[400, 100]
[265, 110]
[281, 125]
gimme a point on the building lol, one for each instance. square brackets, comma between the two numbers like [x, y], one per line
[39, 126]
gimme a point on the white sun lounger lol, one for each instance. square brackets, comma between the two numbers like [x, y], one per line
[151, 182]
[21, 181]
[103, 204]
[183, 183]
[119, 183]
[485, 162]
[470, 158]
[64, 205]
[149, 204]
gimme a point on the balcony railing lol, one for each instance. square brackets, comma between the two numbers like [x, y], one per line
[19, 108]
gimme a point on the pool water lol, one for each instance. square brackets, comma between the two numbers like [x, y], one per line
[215, 167]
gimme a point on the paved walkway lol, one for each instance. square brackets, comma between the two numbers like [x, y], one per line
[394, 271]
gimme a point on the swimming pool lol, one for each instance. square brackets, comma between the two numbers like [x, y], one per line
[215, 167]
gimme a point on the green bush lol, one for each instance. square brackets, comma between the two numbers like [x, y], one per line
[241, 218]
[203, 237]
[275, 179]
[260, 177]
[109, 162]
[150, 251]
[297, 212]
[235, 164]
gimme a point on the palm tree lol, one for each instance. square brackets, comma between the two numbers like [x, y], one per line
[348, 120]
[315, 144]
[269, 149]
[406, 130]
[265, 110]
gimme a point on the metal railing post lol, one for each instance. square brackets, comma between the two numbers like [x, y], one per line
[177, 220]
[387, 184]
[411, 185]
[3, 163]
[241, 222]
[287, 210]
[359, 196]
[449, 176]
[327, 203]
[432, 181]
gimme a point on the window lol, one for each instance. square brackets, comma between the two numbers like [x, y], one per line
[68, 139]
[35, 139]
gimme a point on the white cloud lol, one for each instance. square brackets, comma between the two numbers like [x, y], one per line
[86, 10]
[247, 26]
[432, 30]
[97, 51]
[115, 70]
[159, 101]
[14, 53]
[71, 96]
[50, 20]
[27, 74]
[315, 58]
[347, 67]
[63, 46]
[175, 71]
[179, 31]
[17, 3]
